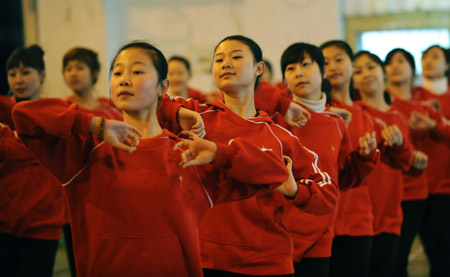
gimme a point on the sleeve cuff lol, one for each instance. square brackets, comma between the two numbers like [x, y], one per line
[303, 195]
[224, 154]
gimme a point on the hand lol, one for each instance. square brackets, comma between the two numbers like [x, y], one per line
[117, 133]
[345, 114]
[434, 104]
[419, 121]
[367, 144]
[289, 188]
[392, 136]
[420, 160]
[191, 121]
[296, 115]
[200, 151]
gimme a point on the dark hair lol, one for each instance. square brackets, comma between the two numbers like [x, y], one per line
[405, 54]
[296, 54]
[254, 48]
[87, 56]
[377, 60]
[183, 60]
[446, 56]
[157, 57]
[32, 56]
[341, 45]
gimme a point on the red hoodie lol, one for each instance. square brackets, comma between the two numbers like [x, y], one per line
[438, 151]
[386, 191]
[137, 214]
[31, 204]
[6, 104]
[250, 237]
[354, 216]
[326, 134]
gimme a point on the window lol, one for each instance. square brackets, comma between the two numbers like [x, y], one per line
[414, 41]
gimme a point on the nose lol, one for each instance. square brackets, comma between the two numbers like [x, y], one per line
[298, 71]
[226, 63]
[125, 81]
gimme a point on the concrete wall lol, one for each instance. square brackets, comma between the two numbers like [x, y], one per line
[189, 28]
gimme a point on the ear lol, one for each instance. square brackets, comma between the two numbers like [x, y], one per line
[42, 76]
[260, 66]
[164, 87]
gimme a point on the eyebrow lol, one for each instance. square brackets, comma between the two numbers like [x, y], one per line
[133, 63]
[237, 50]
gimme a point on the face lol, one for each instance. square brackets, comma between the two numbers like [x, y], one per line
[134, 83]
[78, 76]
[234, 66]
[338, 66]
[399, 70]
[25, 81]
[178, 76]
[368, 76]
[304, 79]
[433, 63]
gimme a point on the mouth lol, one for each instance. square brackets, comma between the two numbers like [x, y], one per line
[301, 84]
[227, 74]
[125, 93]
[335, 75]
[20, 90]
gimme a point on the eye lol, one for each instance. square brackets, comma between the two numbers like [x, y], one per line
[339, 60]
[117, 73]
[26, 72]
[306, 63]
[137, 72]
[218, 60]
[290, 68]
[237, 57]
[12, 74]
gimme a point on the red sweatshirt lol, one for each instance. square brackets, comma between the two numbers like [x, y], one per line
[137, 214]
[386, 191]
[31, 204]
[354, 216]
[250, 237]
[416, 183]
[313, 234]
[106, 108]
[438, 151]
[6, 104]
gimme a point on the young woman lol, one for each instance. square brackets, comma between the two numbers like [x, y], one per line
[179, 75]
[352, 245]
[250, 237]
[32, 207]
[435, 230]
[81, 68]
[302, 65]
[138, 214]
[400, 72]
[387, 193]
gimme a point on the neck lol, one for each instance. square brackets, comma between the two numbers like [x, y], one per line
[241, 102]
[85, 99]
[375, 100]
[145, 121]
[401, 90]
[343, 94]
[317, 106]
[436, 85]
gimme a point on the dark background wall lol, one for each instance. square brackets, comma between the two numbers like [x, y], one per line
[11, 35]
